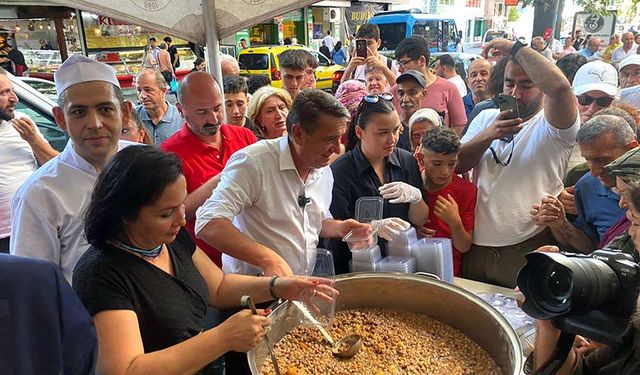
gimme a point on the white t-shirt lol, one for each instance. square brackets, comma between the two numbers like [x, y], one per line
[619, 54]
[630, 95]
[506, 193]
[258, 191]
[48, 210]
[359, 72]
[17, 163]
[459, 82]
[329, 42]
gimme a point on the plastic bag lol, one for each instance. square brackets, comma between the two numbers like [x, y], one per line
[174, 85]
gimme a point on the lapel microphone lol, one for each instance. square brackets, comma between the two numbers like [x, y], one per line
[303, 200]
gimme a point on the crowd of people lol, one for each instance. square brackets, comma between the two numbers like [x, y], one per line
[162, 216]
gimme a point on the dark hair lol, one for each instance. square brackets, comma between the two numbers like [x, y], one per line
[254, 82]
[446, 60]
[134, 178]
[168, 39]
[153, 38]
[198, 61]
[441, 140]
[234, 85]
[633, 193]
[570, 63]
[368, 31]
[413, 47]
[363, 116]
[496, 78]
[338, 46]
[243, 39]
[286, 41]
[297, 59]
[135, 117]
[309, 105]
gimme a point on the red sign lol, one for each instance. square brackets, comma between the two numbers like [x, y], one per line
[110, 21]
[511, 2]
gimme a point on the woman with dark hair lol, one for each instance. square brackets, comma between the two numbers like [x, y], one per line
[337, 55]
[376, 167]
[148, 286]
[199, 65]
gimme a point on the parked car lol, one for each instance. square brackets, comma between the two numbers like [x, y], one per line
[462, 60]
[44, 86]
[264, 60]
[492, 34]
[40, 108]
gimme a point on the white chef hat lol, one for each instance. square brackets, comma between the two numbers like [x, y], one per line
[80, 69]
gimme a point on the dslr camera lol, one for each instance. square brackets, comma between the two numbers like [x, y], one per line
[589, 295]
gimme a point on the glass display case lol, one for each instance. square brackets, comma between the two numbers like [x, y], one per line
[42, 61]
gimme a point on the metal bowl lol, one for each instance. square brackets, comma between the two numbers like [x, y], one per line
[404, 292]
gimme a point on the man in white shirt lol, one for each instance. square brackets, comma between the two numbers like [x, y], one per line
[446, 68]
[47, 210]
[629, 72]
[272, 202]
[357, 66]
[22, 149]
[516, 160]
[329, 41]
[628, 48]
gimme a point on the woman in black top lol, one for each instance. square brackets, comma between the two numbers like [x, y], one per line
[148, 286]
[376, 167]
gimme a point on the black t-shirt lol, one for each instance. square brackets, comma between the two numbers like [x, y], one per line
[173, 51]
[354, 177]
[170, 309]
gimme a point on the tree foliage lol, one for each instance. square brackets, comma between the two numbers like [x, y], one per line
[513, 14]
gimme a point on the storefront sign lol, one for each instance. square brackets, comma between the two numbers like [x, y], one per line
[110, 21]
[601, 26]
[359, 13]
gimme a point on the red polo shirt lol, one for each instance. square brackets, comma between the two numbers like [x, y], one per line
[201, 162]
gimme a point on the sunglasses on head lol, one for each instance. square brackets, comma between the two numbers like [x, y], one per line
[603, 101]
[373, 99]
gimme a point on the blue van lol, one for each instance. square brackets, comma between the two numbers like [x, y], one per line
[440, 31]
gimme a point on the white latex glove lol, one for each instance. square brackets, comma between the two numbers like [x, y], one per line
[390, 227]
[400, 192]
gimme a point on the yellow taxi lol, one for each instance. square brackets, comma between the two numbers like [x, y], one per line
[264, 60]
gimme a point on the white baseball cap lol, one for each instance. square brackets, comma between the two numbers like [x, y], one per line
[596, 75]
[80, 69]
[631, 60]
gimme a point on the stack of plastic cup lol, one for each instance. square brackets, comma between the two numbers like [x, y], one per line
[400, 245]
[434, 255]
[365, 260]
[397, 264]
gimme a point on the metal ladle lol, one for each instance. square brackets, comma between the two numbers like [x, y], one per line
[246, 301]
[346, 347]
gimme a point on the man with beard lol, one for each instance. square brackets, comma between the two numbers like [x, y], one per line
[516, 161]
[410, 87]
[602, 140]
[204, 144]
[22, 149]
[47, 210]
[477, 80]
[161, 118]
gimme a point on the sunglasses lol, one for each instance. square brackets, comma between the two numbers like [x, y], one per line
[603, 101]
[373, 99]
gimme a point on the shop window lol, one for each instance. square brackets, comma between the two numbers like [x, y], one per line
[446, 2]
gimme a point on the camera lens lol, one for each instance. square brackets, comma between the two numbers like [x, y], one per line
[554, 284]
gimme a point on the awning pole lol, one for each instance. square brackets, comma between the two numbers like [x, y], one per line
[213, 42]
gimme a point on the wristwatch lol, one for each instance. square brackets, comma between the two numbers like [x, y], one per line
[516, 47]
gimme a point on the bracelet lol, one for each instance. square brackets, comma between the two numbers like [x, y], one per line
[516, 47]
[272, 286]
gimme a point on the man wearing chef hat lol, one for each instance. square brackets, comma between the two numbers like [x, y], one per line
[48, 209]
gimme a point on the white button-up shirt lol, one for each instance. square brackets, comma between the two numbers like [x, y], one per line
[619, 54]
[259, 190]
[17, 163]
[48, 210]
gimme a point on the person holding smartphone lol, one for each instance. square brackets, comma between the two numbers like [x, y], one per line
[515, 160]
[365, 54]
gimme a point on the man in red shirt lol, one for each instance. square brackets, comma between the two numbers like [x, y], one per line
[204, 144]
[442, 96]
[451, 199]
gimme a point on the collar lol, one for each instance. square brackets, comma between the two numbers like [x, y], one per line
[362, 164]
[144, 115]
[285, 161]
[602, 191]
[71, 157]
[468, 99]
[198, 145]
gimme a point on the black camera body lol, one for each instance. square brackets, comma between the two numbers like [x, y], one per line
[589, 295]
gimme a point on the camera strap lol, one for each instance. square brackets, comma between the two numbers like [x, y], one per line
[563, 347]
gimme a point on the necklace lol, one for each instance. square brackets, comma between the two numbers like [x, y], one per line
[149, 254]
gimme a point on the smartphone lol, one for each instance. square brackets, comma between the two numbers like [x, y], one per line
[508, 102]
[361, 48]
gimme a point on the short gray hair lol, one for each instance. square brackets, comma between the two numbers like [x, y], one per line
[156, 74]
[600, 125]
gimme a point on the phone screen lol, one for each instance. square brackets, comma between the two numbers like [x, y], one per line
[361, 48]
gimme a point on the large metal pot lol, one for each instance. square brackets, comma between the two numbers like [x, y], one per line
[447, 303]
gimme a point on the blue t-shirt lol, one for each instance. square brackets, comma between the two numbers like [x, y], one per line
[597, 207]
